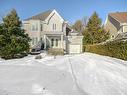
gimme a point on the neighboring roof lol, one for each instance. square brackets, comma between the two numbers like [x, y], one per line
[119, 16]
[41, 16]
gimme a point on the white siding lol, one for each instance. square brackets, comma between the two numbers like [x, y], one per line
[55, 19]
[73, 49]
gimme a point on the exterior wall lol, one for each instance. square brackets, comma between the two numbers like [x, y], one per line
[32, 34]
[55, 19]
[124, 28]
[111, 26]
[114, 27]
[26, 26]
[74, 40]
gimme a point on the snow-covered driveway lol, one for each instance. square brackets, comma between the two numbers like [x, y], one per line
[83, 74]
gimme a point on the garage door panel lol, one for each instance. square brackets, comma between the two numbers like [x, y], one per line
[74, 48]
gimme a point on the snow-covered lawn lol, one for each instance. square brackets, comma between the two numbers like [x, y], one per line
[83, 74]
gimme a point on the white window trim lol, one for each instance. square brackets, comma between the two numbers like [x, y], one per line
[54, 26]
[34, 27]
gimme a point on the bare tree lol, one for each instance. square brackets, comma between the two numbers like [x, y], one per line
[85, 20]
[1, 16]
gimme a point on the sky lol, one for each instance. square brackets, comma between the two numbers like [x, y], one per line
[70, 10]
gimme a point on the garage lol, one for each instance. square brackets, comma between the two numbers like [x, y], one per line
[73, 49]
[74, 43]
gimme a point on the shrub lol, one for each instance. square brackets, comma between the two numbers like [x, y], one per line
[14, 56]
[56, 51]
[117, 49]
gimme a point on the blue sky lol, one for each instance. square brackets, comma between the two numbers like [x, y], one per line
[71, 10]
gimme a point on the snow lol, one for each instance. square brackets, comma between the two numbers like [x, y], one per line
[82, 74]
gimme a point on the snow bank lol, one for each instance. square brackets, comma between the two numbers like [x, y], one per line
[100, 75]
[83, 74]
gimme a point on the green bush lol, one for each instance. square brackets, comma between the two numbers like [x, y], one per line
[117, 49]
[56, 51]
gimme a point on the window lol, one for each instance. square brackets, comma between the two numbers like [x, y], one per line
[35, 27]
[54, 26]
[56, 42]
[52, 42]
[41, 39]
[41, 27]
[36, 40]
[32, 41]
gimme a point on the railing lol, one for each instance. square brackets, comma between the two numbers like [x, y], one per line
[53, 32]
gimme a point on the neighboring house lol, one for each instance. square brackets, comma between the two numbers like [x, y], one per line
[50, 30]
[116, 23]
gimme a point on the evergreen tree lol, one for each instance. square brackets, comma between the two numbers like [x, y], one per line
[13, 40]
[94, 32]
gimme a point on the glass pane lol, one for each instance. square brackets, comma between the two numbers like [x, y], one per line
[52, 42]
[56, 42]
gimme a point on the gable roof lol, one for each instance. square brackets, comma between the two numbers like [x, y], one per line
[41, 16]
[120, 16]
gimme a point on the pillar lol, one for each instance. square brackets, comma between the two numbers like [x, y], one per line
[44, 41]
[62, 41]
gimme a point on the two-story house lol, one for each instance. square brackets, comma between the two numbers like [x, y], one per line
[50, 30]
[116, 23]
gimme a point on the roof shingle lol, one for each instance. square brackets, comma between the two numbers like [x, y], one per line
[120, 16]
[41, 16]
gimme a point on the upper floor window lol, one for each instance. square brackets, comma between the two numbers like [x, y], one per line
[35, 27]
[41, 27]
[54, 26]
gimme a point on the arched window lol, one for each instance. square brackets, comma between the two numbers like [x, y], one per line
[52, 42]
[56, 42]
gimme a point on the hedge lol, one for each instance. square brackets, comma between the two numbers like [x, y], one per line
[117, 49]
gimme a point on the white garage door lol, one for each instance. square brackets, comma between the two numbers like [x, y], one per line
[74, 49]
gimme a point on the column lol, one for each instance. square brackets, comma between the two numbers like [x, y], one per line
[62, 41]
[44, 41]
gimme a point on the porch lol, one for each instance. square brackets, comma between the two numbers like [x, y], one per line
[53, 41]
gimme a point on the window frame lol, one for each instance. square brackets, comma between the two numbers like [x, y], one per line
[41, 27]
[52, 42]
[34, 27]
[54, 26]
[56, 42]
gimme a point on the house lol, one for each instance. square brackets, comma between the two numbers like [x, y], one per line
[116, 23]
[50, 30]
